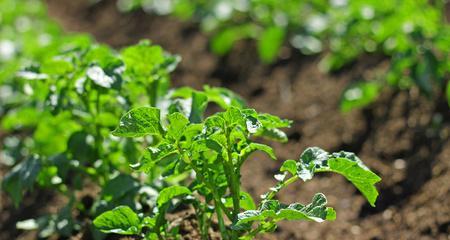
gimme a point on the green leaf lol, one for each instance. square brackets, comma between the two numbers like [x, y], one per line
[140, 122]
[347, 164]
[448, 93]
[199, 103]
[53, 133]
[315, 211]
[142, 59]
[246, 201]
[274, 134]
[177, 125]
[118, 187]
[270, 42]
[21, 178]
[271, 121]
[101, 55]
[171, 192]
[222, 42]
[270, 125]
[252, 147]
[23, 117]
[120, 220]
[273, 210]
[56, 66]
[223, 97]
[289, 166]
[165, 153]
[359, 95]
[80, 147]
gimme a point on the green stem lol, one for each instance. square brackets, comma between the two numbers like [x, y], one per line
[233, 178]
[282, 184]
[204, 223]
[160, 219]
[152, 92]
[223, 230]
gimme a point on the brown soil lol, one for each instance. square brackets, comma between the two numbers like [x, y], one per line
[403, 136]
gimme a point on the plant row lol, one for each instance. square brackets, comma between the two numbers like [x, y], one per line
[414, 35]
[103, 130]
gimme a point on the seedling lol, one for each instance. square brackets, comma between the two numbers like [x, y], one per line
[214, 149]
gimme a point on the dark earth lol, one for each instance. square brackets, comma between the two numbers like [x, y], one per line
[403, 136]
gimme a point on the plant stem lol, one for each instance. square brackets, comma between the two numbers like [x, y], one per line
[223, 230]
[233, 177]
[152, 91]
[282, 184]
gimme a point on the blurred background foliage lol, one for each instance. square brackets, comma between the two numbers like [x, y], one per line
[413, 34]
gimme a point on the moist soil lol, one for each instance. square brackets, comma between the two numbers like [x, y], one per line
[403, 136]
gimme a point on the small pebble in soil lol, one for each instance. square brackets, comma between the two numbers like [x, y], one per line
[355, 229]
[387, 214]
[399, 164]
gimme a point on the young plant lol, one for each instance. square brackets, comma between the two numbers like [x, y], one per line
[59, 136]
[214, 150]
[413, 34]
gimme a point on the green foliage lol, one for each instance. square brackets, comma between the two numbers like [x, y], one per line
[359, 95]
[214, 149]
[139, 122]
[170, 192]
[413, 34]
[121, 220]
[68, 99]
[347, 164]
[21, 178]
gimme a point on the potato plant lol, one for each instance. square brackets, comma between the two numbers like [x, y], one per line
[59, 137]
[165, 153]
[27, 34]
[214, 149]
[413, 34]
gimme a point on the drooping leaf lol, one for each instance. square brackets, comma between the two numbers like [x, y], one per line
[273, 210]
[270, 42]
[21, 178]
[120, 220]
[223, 97]
[274, 134]
[359, 95]
[252, 147]
[223, 41]
[118, 187]
[140, 122]
[347, 164]
[171, 192]
[289, 166]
